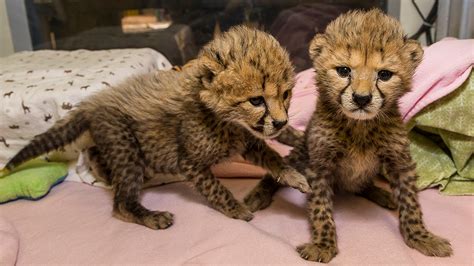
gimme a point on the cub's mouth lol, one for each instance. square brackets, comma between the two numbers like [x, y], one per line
[259, 131]
[359, 113]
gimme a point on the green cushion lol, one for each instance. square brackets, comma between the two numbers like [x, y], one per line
[31, 180]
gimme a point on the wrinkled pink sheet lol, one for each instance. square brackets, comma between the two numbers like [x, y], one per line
[9, 242]
[74, 225]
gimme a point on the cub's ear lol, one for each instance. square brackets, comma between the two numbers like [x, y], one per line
[317, 45]
[208, 69]
[412, 52]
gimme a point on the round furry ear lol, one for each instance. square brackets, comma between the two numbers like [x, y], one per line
[208, 70]
[316, 46]
[412, 52]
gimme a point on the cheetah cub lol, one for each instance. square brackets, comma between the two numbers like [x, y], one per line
[231, 98]
[364, 64]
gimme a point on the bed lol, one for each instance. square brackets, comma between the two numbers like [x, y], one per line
[74, 225]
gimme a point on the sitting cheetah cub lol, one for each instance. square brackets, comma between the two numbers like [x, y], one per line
[363, 66]
[232, 97]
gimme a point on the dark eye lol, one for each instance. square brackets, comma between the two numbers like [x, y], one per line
[343, 71]
[384, 75]
[286, 94]
[257, 100]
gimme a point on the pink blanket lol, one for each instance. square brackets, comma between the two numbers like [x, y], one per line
[74, 225]
[9, 242]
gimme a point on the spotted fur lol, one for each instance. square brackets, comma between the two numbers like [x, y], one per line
[350, 139]
[226, 102]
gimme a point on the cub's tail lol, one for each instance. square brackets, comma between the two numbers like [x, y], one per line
[62, 133]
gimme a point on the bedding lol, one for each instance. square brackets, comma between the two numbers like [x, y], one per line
[442, 142]
[10, 242]
[74, 225]
[38, 88]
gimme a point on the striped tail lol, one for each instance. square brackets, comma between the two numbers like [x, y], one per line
[64, 132]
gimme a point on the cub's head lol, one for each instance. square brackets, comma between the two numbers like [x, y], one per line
[247, 78]
[364, 64]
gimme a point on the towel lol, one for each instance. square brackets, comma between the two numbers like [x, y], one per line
[442, 142]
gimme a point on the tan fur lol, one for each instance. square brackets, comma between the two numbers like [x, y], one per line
[224, 103]
[363, 66]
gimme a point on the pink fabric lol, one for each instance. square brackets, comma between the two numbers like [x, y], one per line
[446, 65]
[9, 242]
[74, 225]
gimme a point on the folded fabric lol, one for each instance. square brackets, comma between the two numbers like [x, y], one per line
[31, 180]
[442, 142]
[40, 87]
[446, 65]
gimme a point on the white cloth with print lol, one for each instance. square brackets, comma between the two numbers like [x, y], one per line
[38, 88]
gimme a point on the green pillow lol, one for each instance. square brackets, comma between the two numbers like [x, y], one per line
[31, 180]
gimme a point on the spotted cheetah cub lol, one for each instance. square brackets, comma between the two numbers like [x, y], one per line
[364, 64]
[231, 98]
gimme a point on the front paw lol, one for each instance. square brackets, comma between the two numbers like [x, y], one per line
[429, 244]
[239, 211]
[315, 252]
[294, 179]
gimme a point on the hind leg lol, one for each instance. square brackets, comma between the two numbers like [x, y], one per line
[379, 196]
[261, 195]
[114, 138]
[98, 165]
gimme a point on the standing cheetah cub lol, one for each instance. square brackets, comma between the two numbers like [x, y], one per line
[231, 98]
[363, 66]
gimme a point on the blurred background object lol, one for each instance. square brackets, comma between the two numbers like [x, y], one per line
[179, 28]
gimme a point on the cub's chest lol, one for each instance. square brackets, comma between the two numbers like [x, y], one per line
[357, 168]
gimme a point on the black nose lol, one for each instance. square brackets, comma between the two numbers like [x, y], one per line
[279, 124]
[361, 100]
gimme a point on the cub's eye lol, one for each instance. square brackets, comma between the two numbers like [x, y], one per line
[256, 101]
[286, 94]
[384, 75]
[343, 71]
